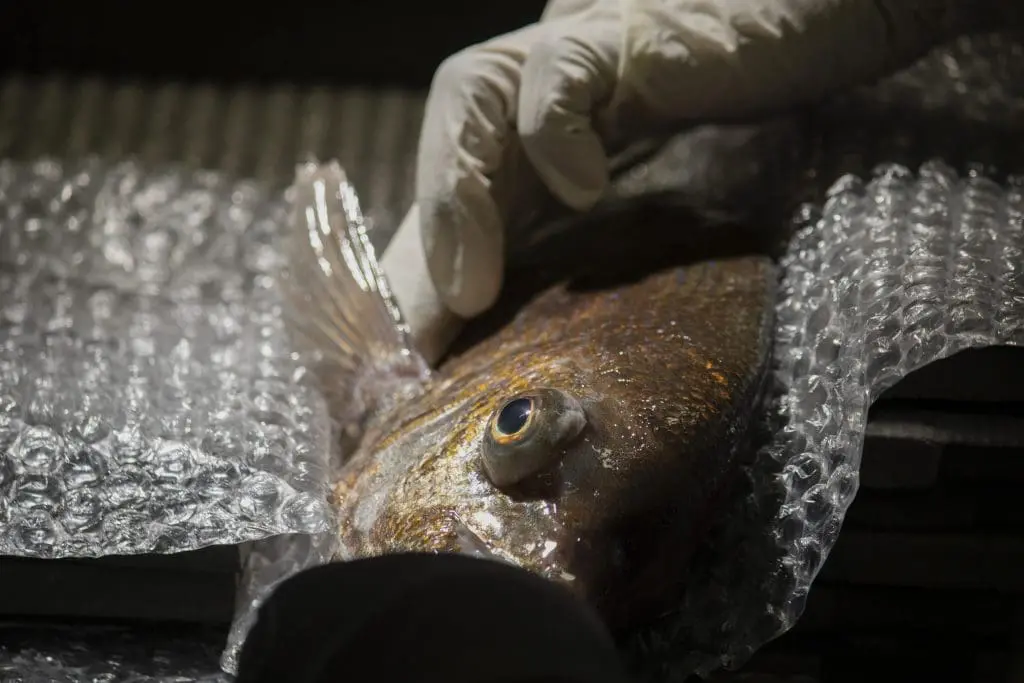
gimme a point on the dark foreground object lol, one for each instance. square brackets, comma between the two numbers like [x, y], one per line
[422, 617]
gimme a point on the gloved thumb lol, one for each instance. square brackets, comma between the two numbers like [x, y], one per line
[432, 325]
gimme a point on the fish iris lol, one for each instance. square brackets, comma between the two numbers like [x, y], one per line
[514, 416]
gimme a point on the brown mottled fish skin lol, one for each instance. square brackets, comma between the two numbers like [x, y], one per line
[670, 370]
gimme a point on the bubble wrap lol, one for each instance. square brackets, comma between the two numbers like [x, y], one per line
[887, 276]
[891, 272]
[891, 266]
[149, 397]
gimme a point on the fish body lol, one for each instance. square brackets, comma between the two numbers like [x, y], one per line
[585, 439]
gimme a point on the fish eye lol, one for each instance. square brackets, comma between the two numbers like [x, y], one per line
[513, 420]
[528, 434]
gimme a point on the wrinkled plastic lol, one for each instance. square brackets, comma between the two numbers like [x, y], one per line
[891, 273]
[886, 277]
[891, 267]
[150, 399]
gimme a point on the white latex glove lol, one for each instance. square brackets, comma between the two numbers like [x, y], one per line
[432, 325]
[594, 75]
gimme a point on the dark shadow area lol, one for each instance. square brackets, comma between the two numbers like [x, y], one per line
[111, 651]
[618, 243]
[859, 633]
[196, 586]
[978, 377]
[331, 43]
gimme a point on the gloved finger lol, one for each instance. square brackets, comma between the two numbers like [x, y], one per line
[432, 326]
[567, 76]
[467, 130]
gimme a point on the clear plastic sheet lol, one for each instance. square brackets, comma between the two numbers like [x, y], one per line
[150, 401]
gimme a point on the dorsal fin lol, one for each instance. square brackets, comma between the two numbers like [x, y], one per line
[339, 305]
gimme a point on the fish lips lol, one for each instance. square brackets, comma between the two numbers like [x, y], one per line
[583, 566]
[468, 542]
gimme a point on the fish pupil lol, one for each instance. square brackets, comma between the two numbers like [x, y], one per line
[514, 415]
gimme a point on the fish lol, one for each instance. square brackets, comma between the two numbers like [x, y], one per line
[586, 436]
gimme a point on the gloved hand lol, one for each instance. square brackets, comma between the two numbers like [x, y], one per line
[551, 102]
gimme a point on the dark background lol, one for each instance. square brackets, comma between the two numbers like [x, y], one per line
[326, 43]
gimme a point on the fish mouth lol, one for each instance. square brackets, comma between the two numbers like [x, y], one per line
[467, 542]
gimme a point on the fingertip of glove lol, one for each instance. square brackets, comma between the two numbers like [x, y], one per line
[468, 281]
[571, 164]
[463, 242]
[565, 151]
[432, 324]
[476, 292]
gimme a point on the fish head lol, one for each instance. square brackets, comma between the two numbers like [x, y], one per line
[585, 438]
[585, 441]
